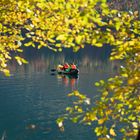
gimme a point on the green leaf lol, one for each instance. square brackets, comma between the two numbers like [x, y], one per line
[105, 93]
[102, 82]
[6, 72]
[97, 84]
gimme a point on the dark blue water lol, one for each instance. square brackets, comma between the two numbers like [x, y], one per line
[32, 96]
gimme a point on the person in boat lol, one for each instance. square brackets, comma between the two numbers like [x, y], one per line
[73, 66]
[60, 67]
[66, 67]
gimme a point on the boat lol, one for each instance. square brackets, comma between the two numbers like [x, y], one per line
[71, 72]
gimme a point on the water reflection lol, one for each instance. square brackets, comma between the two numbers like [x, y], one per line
[44, 62]
[34, 97]
[68, 80]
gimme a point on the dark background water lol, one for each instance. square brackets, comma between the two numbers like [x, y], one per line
[33, 96]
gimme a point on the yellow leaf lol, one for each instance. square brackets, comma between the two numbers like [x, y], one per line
[101, 121]
[93, 41]
[99, 44]
[131, 81]
[105, 93]
[125, 75]
[6, 72]
[135, 124]
[58, 45]
[131, 43]
[78, 39]
[111, 87]
[51, 40]
[19, 62]
[93, 117]
[112, 132]
[80, 110]
[61, 37]
[110, 22]
[108, 112]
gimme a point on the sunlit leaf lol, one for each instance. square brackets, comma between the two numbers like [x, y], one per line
[99, 44]
[112, 132]
[61, 37]
[101, 121]
[97, 84]
[6, 72]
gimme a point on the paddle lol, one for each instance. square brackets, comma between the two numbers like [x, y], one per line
[53, 70]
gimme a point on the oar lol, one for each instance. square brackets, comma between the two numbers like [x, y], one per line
[53, 70]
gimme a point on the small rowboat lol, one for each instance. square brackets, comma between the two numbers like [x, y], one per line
[71, 72]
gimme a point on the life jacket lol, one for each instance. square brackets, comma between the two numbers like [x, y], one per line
[73, 66]
[66, 66]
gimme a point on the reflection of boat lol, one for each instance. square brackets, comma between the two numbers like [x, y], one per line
[74, 76]
[72, 72]
[67, 79]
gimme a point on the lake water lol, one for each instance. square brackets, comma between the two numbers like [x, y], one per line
[33, 96]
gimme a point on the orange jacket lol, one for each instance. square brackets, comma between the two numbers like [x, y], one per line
[66, 66]
[73, 66]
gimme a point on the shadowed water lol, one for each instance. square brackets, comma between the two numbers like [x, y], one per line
[33, 97]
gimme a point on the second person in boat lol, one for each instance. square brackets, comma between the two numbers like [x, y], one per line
[66, 66]
[73, 66]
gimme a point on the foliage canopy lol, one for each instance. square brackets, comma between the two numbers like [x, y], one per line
[59, 24]
[62, 23]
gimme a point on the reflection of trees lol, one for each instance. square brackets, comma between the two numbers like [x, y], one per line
[40, 63]
[43, 63]
[87, 64]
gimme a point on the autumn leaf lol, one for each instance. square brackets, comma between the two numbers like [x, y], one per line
[112, 132]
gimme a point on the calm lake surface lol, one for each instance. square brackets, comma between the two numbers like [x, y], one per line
[33, 96]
